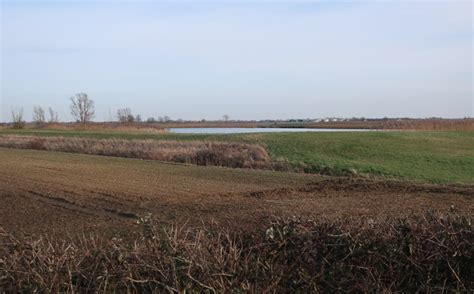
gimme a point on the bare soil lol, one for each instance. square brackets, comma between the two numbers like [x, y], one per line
[68, 194]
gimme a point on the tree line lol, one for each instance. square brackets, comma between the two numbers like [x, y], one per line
[83, 111]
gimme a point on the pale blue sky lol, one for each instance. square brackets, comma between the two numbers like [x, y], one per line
[250, 60]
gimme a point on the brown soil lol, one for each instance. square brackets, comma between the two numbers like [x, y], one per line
[65, 194]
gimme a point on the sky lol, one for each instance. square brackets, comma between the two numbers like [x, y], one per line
[247, 59]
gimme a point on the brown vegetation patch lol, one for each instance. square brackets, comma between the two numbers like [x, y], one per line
[427, 253]
[239, 155]
[433, 124]
[101, 126]
[466, 124]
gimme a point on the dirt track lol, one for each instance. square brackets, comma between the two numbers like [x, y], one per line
[59, 193]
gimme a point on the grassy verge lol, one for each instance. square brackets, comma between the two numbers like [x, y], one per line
[440, 157]
[425, 253]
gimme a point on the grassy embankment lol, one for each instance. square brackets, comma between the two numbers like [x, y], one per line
[440, 157]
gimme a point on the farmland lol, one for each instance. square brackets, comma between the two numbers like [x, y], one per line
[97, 221]
[73, 192]
[437, 157]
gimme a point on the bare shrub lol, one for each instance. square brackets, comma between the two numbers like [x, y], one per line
[124, 115]
[38, 115]
[425, 253]
[37, 143]
[17, 118]
[53, 116]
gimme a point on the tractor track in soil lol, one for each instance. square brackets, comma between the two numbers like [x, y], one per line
[64, 194]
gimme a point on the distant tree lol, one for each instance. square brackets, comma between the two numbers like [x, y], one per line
[138, 118]
[38, 115]
[166, 118]
[125, 115]
[82, 108]
[17, 118]
[53, 116]
[150, 120]
[225, 117]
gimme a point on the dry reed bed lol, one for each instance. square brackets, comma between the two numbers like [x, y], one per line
[432, 125]
[240, 155]
[99, 127]
[466, 124]
[420, 253]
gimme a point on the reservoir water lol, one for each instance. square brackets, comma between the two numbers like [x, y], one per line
[254, 130]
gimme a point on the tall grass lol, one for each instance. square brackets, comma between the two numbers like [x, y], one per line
[431, 125]
[227, 154]
[109, 127]
[427, 253]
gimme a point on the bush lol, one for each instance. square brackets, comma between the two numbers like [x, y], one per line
[427, 253]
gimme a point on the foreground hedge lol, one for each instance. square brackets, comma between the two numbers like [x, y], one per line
[419, 253]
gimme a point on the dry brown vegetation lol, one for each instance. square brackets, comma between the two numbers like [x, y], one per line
[432, 125]
[109, 127]
[466, 124]
[427, 253]
[161, 127]
[227, 154]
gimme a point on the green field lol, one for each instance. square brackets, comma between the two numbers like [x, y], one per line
[440, 157]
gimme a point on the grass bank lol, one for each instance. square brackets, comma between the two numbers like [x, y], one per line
[442, 157]
[439, 157]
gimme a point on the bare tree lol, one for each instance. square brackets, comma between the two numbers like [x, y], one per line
[53, 116]
[38, 115]
[17, 118]
[125, 115]
[82, 108]
[151, 120]
[225, 117]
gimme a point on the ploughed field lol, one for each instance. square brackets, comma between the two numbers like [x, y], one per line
[65, 194]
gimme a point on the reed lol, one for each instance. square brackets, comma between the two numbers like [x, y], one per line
[432, 125]
[228, 154]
